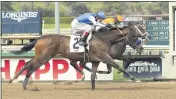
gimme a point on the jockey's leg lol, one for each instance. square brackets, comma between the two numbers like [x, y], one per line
[84, 36]
[83, 39]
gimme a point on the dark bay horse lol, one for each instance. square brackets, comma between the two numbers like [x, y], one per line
[117, 51]
[119, 48]
[48, 46]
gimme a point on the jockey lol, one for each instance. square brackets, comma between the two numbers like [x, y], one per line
[114, 21]
[84, 25]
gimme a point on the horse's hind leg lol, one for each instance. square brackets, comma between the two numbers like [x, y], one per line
[36, 64]
[84, 66]
[27, 65]
[29, 72]
[73, 63]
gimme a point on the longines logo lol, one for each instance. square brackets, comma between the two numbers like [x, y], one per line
[19, 16]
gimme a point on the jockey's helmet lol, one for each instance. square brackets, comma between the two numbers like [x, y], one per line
[101, 15]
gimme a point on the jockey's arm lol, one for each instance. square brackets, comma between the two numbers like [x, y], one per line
[96, 25]
[92, 19]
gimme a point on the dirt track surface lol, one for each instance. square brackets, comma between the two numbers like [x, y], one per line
[104, 90]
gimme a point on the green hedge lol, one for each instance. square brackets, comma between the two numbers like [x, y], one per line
[63, 20]
[66, 19]
[51, 20]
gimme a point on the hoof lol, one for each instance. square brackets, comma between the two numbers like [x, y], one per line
[10, 81]
[35, 88]
[138, 81]
[68, 83]
[25, 89]
[93, 89]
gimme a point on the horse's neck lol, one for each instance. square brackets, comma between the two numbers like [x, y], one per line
[114, 35]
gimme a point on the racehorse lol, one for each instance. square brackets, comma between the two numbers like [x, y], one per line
[118, 49]
[48, 46]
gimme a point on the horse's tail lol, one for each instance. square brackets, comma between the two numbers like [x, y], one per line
[26, 48]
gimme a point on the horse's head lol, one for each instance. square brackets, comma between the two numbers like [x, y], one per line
[142, 33]
[135, 35]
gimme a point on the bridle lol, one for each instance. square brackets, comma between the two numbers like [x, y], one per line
[138, 30]
[142, 34]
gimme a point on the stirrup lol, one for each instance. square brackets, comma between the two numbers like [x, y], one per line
[82, 42]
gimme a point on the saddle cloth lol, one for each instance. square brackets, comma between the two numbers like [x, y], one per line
[74, 45]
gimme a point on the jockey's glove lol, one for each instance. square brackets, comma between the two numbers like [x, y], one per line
[109, 26]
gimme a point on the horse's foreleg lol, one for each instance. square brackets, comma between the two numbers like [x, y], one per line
[74, 63]
[108, 60]
[117, 66]
[126, 60]
[93, 75]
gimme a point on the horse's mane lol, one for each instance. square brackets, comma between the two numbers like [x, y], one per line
[106, 30]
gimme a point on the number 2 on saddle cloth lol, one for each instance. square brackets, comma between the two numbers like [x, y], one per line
[86, 52]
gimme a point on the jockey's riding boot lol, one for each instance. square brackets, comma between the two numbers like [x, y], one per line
[83, 39]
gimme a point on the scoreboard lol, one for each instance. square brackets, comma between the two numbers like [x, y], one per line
[159, 31]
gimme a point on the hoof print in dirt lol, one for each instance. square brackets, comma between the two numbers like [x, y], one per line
[68, 83]
[34, 89]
